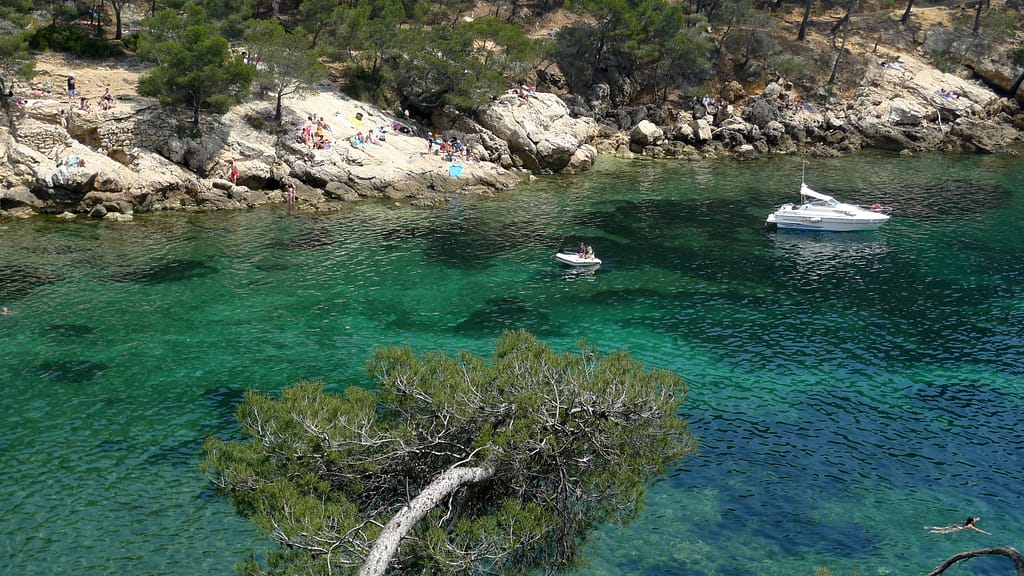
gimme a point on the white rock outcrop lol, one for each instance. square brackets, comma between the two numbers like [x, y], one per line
[540, 132]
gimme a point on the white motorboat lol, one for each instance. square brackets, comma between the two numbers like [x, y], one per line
[574, 259]
[819, 211]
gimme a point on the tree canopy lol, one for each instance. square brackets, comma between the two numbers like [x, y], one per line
[426, 55]
[14, 60]
[283, 62]
[195, 67]
[453, 463]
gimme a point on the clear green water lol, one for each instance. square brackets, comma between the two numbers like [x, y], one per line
[847, 389]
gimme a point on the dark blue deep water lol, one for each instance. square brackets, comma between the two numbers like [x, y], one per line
[847, 389]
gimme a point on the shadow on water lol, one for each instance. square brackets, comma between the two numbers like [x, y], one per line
[173, 271]
[961, 197]
[672, 234]
[273, 265]
[68, 330]
[506, 313]
[318, 234]
[18, 283]
[184, 454]
[70, 371]
[470, 245]
[224, 401]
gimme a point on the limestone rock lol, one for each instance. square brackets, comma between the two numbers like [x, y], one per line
[702, 130]
[646, 133]
[539, 130]
[19, 196]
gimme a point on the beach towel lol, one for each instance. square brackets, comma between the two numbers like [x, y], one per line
[455, 170]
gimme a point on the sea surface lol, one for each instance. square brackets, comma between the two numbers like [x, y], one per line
[847, 389]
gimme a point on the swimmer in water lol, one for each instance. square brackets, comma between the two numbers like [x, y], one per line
[968, 524]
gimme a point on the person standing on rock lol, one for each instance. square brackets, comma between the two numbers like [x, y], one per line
[232, 172]
[72, 91]
[290, 194]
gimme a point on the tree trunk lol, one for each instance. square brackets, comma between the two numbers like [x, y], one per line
[5, 103]
[839, 55]
[99, 19]
[844, 21]
[1016, 85]
[977, 18]
[117, 5]
[846, 34]
[906, 13]
[1011, 553]
[803, 23]
[376, 563]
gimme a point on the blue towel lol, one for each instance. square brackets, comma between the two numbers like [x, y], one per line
[455, 170]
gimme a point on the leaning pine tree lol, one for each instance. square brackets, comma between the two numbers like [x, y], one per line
[453, 464]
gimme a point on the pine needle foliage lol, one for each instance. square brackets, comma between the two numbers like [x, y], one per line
[569, 441]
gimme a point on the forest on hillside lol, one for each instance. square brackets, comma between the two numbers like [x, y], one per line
[424, 55]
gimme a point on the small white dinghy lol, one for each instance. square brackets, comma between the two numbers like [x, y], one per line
[573, 259]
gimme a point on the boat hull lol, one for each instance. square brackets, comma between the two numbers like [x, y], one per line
[823, 213]
[576, 260]
[824, 223]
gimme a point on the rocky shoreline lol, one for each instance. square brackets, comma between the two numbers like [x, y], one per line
[137, 157]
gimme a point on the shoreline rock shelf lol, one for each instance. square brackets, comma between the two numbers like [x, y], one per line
[137, 157]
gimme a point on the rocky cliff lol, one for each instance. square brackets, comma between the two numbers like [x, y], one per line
[903, 106]
[138, 157]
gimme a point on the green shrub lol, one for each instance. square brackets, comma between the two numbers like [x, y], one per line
[941, 59]
[73, 40]
[255, 121]
[130, 42]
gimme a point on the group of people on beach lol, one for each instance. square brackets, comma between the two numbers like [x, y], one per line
[314, 133]
[451, 149]
[106, 100]
[18, 100]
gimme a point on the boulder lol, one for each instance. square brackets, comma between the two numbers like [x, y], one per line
[19, 196]
[702, 130]
[582, 160]
[646, 134]
[681, 131]
[905, 112]
[983, 135]
[538, 129]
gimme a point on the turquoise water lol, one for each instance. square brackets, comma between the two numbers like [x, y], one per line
[847, 389]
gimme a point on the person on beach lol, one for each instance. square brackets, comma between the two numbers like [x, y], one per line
[232, 172]
[72, 90]
[968, 524]
[107, 100]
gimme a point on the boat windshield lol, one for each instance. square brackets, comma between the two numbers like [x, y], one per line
[830, 203]
[815, 198]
